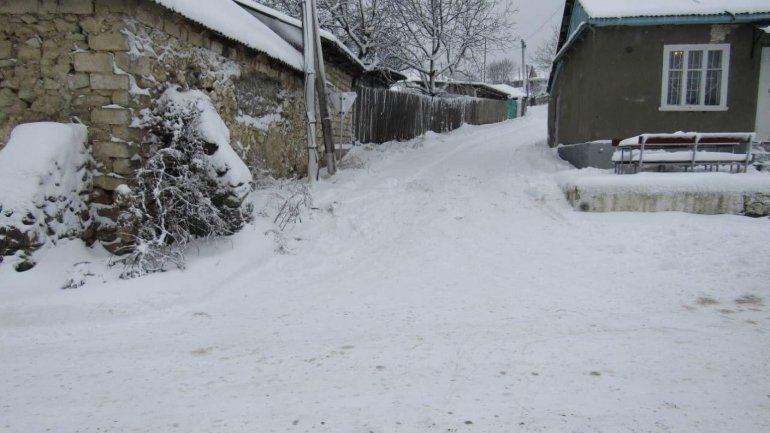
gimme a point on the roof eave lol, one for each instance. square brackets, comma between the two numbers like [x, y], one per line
[725, 18]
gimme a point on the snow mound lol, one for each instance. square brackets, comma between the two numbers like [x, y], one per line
[43, 184]
[228, 167]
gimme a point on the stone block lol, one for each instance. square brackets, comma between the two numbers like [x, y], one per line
[7, 97]
[50, 84]
[93, 62]
[217, 47]
[6, 49]
[80, 7]
[98, 132]
[127, 134]
[121, 97]
[49, 6]
[108, 183]
[137, 66]
[115, 6]
[93, 25]
[109, 82]
[110, 149]
[149, 17]
[195, 38]
[122, 166]
[19, 6]
[172, 28]
[108, 42]
[54, 49]
[79, 40]
[65, 27]
[111, 116]
[58, 69]
[34, 42]
[49, 105]
[27, 53]
[78, 81]
[30, 93]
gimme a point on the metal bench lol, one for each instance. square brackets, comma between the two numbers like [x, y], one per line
[685, 150]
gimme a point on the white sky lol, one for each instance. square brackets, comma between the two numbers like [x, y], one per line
[531, 15]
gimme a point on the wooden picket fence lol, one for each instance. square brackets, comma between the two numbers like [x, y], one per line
[382, 115]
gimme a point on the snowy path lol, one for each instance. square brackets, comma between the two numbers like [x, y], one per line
[446, 286]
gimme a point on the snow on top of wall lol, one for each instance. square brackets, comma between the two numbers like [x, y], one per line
[229, 19]
[604, 181]
[513, 92]
[651, 8]
[42, 171]
[229, 167]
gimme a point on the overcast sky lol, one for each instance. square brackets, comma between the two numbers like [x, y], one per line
[531, 16]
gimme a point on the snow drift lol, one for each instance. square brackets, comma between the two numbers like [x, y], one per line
[44, 182]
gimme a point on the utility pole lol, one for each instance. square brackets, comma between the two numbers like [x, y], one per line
[326, 121]
[484, 70]
[524, 74]
[310, 80]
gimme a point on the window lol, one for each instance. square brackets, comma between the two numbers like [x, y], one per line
[695, 77]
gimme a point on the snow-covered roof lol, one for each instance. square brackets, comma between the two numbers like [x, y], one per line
[653, 8]
[232, 21]
[294, 33]
[765, 29]
[513, 92]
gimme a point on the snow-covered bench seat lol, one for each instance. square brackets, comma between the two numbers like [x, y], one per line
[686, 150]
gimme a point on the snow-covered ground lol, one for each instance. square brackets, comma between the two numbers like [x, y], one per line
[445, 285]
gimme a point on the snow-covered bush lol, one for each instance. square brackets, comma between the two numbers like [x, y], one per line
[191, 186]
[44, 186]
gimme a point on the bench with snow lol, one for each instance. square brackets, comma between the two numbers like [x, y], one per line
[685, 150]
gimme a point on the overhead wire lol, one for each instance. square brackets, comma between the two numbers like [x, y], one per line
[547, 20]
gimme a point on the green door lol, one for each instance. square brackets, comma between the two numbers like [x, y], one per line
[513, 108]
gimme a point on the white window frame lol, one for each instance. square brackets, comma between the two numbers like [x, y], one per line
[667, 49]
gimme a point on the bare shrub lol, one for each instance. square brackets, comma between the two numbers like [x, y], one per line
[296, 199]
[179, 195]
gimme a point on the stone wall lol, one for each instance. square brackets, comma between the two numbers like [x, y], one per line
[101, 62]
[340, 82]
[749, 203]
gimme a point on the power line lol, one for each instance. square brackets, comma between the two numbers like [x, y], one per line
[558, 9]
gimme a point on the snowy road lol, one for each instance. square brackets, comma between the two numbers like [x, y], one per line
[443, 286]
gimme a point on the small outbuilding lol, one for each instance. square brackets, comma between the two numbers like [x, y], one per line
[626, 68]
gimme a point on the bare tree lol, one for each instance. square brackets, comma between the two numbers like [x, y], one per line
[501, 71]
[437, 36]
[289, 7]
[364, 25]
[544, 54]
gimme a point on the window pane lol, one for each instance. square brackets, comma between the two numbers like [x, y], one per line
[674, 88]
[675, 59]
[693, 88]
[715, 60]
[695, 60]
[694, 76]
[713, 87]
